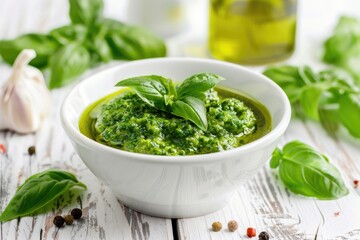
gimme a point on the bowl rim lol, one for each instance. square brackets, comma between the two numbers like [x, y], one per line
[274, 134]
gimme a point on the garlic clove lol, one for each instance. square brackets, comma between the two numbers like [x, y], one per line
[24, 98]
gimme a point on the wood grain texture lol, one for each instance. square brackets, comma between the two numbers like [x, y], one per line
[104, 217]
[262, 203]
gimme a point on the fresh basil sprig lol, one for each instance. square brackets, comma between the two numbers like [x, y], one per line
[92, 39]
[186, 101]
[330, 97]
[305, 171]
[342, 49]
[38, 191]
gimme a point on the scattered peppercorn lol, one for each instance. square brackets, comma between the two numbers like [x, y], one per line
[58, 221]
[2, 149]
[216, 226]
[251, 232]
[69, 219]
[356, 183]
[31, 150]
[232, 225]
[76, 213]
[264, 236]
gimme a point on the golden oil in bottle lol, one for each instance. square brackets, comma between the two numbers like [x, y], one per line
[252, 31]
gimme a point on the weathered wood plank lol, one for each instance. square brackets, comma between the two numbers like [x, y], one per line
[263, 203]
[104, 217]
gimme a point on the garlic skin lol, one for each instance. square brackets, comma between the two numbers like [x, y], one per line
[24, 97]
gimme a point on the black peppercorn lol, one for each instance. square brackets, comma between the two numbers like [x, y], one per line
[264, 236]
[32, 150]
[69, 219]
[59, 221]
[76, 213]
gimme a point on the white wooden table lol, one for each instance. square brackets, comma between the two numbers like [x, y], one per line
[261, 203]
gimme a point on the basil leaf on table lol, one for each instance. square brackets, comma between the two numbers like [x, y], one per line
[160, 92]
[349, 113]
[198, 84]
[288, 78]
[69, 34]
[86, 12]
[305, 171]
[328, 96]
[69, 62]
[192, 109]
[38, 191]
[101, 40]
[132, 42]
[99, 45]
[343, 47]
[44, 46]
[309, 100]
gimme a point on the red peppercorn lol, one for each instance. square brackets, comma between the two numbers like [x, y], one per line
[2, 149]
[251, 232]
[356, 183]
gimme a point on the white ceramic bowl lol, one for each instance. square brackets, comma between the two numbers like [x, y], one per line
[175, 186]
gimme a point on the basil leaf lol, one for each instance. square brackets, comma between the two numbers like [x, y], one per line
[161, 93]
[192, 109]
[86, 12]
[44, 46]
[197, 85]
[329, 96]
[99, 45]
[305, 171]
[131, 42]
[328, 113]
[102, 49]
[343, 48]
[151, 89]
[38, 191]
[307, 75]
[288, 78]
[349, 113]
[309, 101]
[67, 63]
[69, 33]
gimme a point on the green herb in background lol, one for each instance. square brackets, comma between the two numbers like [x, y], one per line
[38, 191]
[70, 50]
[343, 48]
[187, 101]
[330, 97]
[305, 171]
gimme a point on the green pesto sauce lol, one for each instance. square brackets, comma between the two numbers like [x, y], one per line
[122, 120]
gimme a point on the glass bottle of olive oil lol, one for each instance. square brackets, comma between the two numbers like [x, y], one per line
[252, 31]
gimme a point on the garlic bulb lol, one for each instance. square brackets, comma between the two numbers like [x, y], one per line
[24, 97]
